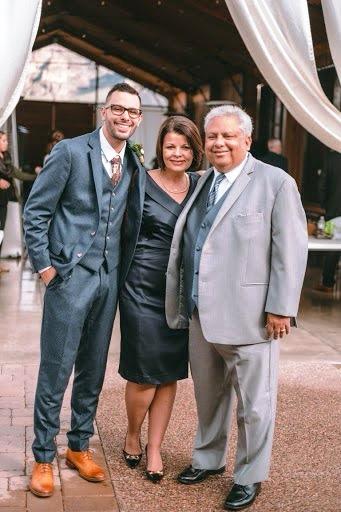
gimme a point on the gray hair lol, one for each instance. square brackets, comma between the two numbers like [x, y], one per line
[245, 121]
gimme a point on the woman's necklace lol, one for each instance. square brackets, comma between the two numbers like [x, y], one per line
[175, 191]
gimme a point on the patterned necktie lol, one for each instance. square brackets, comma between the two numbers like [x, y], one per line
[214, 190]
[116, 167]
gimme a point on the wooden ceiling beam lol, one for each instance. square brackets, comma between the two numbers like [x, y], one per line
[117, 64]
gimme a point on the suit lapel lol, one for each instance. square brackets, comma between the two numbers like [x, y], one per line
[183, 216]
[96, 165]
[237, 188]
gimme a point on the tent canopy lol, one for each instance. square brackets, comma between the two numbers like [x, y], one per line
[168, 46]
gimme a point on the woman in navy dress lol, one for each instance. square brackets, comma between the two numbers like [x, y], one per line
[153, 356]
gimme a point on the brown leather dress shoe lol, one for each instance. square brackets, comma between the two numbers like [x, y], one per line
[41, 483]
[86, 467]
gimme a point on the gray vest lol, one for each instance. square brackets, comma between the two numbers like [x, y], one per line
[198, 225]
[106, 243]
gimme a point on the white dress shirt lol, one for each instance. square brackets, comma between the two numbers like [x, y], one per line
[108, 152]
[230, 178]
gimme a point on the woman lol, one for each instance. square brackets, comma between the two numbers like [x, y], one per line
[7, 185]
[154, 357]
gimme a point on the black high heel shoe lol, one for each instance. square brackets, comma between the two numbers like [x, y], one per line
[132, 461]
[153, 476]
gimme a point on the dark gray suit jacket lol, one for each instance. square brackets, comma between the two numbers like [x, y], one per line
[64, 206]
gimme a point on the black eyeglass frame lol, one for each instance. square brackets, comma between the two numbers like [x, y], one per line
[135, 111]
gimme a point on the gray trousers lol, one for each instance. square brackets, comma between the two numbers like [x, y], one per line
[221, 372]
[76, 330]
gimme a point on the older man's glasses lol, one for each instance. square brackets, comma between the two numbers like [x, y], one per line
[118, 110]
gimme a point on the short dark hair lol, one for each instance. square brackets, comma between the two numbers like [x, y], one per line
[183, 126]
[123, 87]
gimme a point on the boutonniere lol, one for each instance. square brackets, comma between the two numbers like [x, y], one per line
[138, 150]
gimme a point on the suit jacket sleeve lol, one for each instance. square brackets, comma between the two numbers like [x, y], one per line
[42, 203]
[289, 250]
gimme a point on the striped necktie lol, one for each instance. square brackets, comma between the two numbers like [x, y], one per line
[214, 190]
[116, 167]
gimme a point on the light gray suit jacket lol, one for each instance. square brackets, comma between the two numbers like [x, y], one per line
[253, 260]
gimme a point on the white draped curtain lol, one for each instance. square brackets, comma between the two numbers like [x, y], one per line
[19, 21]
[277, 34]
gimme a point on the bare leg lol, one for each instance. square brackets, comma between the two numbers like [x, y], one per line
[160, 412]
[138, 398]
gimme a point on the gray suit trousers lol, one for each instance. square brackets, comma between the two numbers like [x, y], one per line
[221, 372]
[76, 330]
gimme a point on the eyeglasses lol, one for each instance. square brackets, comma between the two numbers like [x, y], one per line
[118, 110]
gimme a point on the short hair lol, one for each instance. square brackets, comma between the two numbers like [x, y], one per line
[123, 87]
[2, 133]
[245, 121]
[183, 126]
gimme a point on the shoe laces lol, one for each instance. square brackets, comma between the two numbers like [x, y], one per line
[87, 455]
[45, 467]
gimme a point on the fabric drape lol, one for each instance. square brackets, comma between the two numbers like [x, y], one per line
[278, 37]
[332, 20]
[19, 21]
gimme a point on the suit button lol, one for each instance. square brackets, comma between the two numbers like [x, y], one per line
[108, 237]
[79, 254]
[196, 272]
[203, 225]
[198, 248]
[106, 252]
[93, 233]
[112, 208]
[113, 194]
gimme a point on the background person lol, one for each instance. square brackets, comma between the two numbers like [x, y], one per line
[154, 357]
[330, 199]
[8, 191]
[274, 155]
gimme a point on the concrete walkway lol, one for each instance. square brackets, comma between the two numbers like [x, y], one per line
[306, 468]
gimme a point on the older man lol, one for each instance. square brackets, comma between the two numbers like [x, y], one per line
[236, 270]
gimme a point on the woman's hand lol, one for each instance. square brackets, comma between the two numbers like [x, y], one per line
[4, 185]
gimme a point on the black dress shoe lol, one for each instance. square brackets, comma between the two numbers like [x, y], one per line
[241, 496]
[153, 476]
[191, 475]
[132, 461]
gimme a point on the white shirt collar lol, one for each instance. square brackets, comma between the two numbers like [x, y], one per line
[231, 176]
[107, 150]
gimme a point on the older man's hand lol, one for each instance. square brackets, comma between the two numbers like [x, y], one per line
[277, 325]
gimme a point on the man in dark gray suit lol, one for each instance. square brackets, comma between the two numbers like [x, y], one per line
[72, 226]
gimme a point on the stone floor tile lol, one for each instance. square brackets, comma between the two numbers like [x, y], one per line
[12, 439]
[12, 461]
[5, 412]
[23, 411]
[91, 504]
[15, 402]
[12, 389]
[12, 431]
[10, 473]
[52, 504]
[3, 484]
[18, 483]
[5, 422]
[74, 485]
[12, 369]
[12, 499]
[22, 421]
[13, 509]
